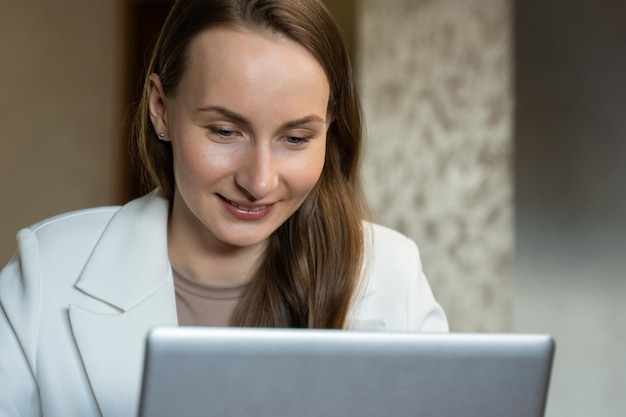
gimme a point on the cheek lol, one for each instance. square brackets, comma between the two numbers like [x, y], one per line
[201, 163]
[308, 173]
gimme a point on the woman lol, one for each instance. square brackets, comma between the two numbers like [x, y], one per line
[250, 132]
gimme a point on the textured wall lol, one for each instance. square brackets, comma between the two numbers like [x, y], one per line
[435, 78]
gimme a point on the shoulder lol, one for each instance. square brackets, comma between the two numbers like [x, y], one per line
[390, 260]
[395, 293]
[383, 233]
[59, 244]
[67, 225]
[84, 226]
[65, 241]
[64, 235]
[385, 244]
[50, 256]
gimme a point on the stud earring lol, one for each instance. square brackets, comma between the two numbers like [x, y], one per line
[161, 136]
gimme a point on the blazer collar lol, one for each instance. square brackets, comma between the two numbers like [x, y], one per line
[128, 270]
[130, 260]
[132, 254]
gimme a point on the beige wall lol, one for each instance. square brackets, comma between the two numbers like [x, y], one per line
[59, 97]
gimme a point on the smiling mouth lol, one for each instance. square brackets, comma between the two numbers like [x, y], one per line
[246, 208]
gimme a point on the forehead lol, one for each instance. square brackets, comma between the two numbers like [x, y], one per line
[241, 61]
[233, 43]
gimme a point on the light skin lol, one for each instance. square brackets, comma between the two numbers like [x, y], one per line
[248, 126]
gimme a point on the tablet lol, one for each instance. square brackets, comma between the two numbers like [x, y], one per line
[240, 372]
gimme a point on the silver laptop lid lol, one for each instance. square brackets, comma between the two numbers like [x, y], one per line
[224, 372]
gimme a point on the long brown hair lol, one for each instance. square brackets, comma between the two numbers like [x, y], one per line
[312, 264]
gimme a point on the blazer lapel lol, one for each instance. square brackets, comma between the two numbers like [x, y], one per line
[129, 274]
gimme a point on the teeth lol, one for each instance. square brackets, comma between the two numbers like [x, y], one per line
[244, 208]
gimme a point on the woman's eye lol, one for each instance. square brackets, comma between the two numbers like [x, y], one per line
[295, 140]
[223, 133]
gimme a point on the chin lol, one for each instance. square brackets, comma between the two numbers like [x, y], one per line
[244, 241]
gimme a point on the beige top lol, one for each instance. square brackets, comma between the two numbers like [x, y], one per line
[205, 305]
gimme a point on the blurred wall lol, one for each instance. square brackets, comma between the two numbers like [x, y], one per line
[436, 87]
[570, 268]
[59, 101]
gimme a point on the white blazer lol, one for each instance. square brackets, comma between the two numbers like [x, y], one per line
[85, 287]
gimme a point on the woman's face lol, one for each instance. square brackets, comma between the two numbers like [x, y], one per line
[248, 126]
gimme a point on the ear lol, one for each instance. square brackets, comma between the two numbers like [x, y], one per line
[157, 103]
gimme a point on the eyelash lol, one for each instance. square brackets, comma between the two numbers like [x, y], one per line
[299, 140]
[222, 133]
[226, 134]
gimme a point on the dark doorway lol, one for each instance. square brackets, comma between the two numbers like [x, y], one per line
[144, 19]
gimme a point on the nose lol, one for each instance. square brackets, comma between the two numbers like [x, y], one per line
[258, 173]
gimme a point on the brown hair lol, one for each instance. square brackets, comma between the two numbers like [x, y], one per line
[312, 264]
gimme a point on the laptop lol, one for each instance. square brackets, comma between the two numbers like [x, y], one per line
[241, 372]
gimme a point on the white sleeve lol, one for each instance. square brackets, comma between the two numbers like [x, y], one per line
[19, 394]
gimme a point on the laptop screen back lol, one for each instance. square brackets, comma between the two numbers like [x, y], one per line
[226, 372]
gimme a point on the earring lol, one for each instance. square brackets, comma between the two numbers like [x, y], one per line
[161, 136]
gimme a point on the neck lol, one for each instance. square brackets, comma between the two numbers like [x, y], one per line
[194, 253]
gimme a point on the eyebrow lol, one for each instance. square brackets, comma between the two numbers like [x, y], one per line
[241, 119]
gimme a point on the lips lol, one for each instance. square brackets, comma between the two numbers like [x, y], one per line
[244, 208]
[243, 212]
